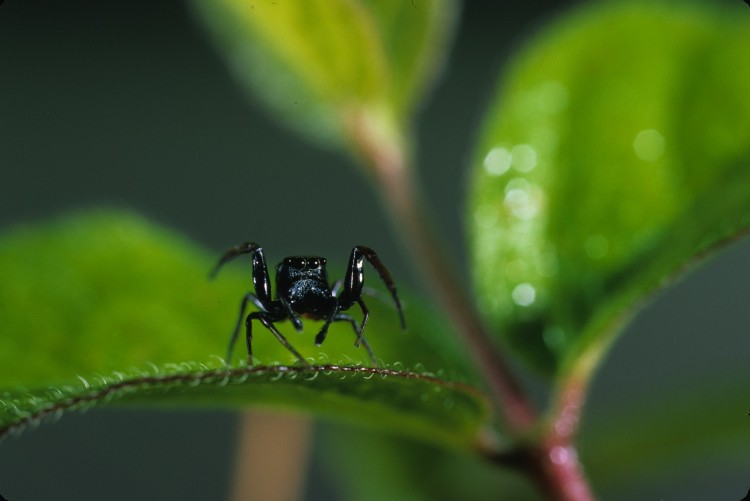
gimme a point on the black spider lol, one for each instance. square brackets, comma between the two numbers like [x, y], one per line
[302, 290]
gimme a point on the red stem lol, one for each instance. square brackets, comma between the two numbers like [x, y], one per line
[552, 463]
[561, 473]
[387, 161]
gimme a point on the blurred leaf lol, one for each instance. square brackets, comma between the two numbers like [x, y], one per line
[106, 308]
[315, 61]
[616, 153]
[693, 431]
[399, 468]
[415, 36]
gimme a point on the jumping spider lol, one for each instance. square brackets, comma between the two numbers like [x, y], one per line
[302, 290]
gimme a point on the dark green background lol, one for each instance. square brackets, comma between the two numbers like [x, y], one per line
[127, 104]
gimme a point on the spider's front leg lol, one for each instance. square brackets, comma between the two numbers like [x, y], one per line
[261, 279]
[261, 284]
[354, 283]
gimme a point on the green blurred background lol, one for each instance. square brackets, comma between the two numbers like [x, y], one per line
[127, 104]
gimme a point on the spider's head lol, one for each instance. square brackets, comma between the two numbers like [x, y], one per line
[295, 268]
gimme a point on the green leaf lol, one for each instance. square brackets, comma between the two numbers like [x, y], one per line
[415, 37]
[616, 153]
[105, 307]
[399, 468]
[316, 61]
[402, 402]
[687, 433]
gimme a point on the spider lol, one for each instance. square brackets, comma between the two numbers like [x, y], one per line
[302, 290]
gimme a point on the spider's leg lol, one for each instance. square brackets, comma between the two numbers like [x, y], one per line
[343, 317]
[337, 286]
[248, 298]
[249, 337]
[354, 280]
[261, 279]
[365, 316]
[345, 305]
[289, 313]
[267, 321]
[332, 309]
[321, 336]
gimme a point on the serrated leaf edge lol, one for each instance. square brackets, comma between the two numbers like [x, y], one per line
[100, 389]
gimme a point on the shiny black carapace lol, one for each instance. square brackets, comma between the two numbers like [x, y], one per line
[302, 290]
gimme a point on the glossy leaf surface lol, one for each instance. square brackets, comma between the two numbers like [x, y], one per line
[617, 151]
[106, 308]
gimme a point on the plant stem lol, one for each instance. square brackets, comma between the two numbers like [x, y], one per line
[271, 456]
[561, 475]
[552, 463]
[552, 467]
[387, 159]
[550, 458]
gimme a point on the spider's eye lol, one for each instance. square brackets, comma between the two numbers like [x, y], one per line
[313, 263]
[294, 262]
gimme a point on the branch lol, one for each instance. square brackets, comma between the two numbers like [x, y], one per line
[552, 462]
[385, 155]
